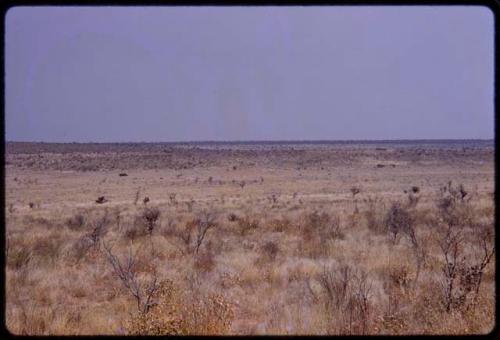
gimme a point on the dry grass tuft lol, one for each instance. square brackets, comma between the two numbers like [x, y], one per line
[247, 224]
[175, 313]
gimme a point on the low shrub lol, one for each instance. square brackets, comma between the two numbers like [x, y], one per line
[347, 296]
[454, 205]
[150, 217]
[398, 220]
[76, 222]
[232, 217]
[270, 250]
[318, 230]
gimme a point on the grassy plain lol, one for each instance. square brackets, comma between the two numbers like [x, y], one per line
[347, 238]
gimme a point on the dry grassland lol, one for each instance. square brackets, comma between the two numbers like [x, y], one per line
[250, 239]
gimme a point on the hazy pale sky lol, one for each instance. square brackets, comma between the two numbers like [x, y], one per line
[111, 74]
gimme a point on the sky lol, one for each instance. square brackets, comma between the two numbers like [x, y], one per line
[160, 74]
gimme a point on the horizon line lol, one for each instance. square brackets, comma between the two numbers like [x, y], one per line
[248, 141]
